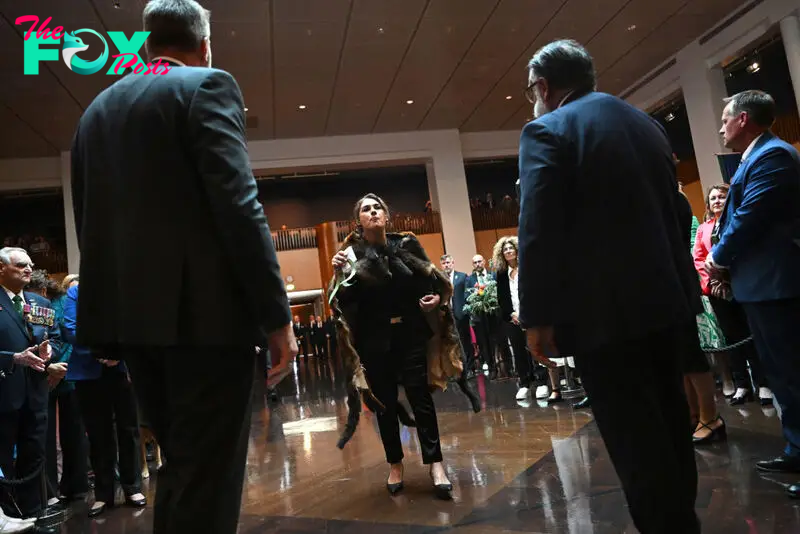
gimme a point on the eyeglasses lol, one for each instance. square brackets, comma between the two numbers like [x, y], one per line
[530, 92]
[23, 264]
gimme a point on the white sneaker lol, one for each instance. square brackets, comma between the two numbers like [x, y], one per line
[765, 395]
[542, 392]
[522, 393]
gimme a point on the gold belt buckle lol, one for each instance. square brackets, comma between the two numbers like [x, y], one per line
[396, 320]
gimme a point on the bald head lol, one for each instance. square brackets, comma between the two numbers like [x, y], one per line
[478, 263]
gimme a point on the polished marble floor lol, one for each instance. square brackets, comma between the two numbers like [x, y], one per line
[515, 467]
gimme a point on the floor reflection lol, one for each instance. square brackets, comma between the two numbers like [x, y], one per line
[516, 467]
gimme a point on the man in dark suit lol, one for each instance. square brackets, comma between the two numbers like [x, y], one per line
[485, 325]
[179, 274]
[27, 326]
[459, 281]
[330, 332]
[593, 168]
[758, 242]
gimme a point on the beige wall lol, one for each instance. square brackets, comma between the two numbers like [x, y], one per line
[696, 196]
[433, 245]
[303, 265]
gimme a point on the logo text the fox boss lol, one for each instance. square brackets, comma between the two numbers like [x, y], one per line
[127, 58]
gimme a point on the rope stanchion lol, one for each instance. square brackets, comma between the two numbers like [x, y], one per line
[710, 350]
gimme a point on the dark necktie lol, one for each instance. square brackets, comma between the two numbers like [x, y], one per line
[17, 300]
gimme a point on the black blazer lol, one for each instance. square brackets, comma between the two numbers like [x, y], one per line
[459, 294]
[175, 247]
[504, 295]
[22, 384]
[595, 173]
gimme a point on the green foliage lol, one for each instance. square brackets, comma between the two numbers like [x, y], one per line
[482, 299]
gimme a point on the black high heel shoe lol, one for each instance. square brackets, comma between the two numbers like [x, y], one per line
[394, 488]
[442, 491]
[555, 397]
[717, 434]
[473, 398]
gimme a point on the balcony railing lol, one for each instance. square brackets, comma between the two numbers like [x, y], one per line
[295, 238]
[52, 261]
[418, 223]
[503, 216]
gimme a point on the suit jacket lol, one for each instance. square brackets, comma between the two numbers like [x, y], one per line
[83, 365]
[592, 172]
[504, 295]
[760, 228]
[168, 218]
[702, 247]
[459, 294]
[23, 385]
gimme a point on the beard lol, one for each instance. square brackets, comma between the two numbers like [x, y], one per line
[539, 109]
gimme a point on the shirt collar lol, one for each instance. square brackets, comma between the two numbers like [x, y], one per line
[11, 294]
[751, 146]
[169, 60]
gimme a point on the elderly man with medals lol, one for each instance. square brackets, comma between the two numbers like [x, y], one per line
[26, 329]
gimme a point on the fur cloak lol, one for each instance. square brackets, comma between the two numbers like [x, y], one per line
[444, 347]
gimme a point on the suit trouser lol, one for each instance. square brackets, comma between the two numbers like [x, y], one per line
[734, 324]
[109, 413]
[484, 334]
[70, 432]
[776, 331]
[27, 430]
[522, 358]
[636, 387]
[407, 364]
[198, 400]
[462, 325]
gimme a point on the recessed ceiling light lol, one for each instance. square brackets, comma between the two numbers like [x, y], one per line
[753, 67]
[409, 101]
[631, 27]
[301, 106]
[380, 30]
[508, 97]
[246, 109]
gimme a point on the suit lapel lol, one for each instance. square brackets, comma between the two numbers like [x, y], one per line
[8, 308]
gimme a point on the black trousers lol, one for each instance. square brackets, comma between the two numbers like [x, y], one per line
[109, 414]
[733, 322]
[462, 326]
[486, 338]
[406, 363]
[636, 387]
[65, 414]
[522, 358]
[198, 401]
[27, 430]
[776, 332]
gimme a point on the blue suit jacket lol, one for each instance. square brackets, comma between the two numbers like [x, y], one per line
[459, 294]
[760, 229]
[595, 174]
[22, 385]
[82, 364]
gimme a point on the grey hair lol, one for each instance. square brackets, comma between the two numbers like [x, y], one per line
[6, 252]
[446, 257]
[565, 64]
[175, 24]
[759, 106]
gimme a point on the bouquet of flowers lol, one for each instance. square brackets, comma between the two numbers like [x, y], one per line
[482, 299]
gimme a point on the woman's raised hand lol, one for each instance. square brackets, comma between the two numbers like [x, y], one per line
[339, 260]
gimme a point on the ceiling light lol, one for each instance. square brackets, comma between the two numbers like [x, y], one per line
[247, 109]
[409, 101]
[301, 106]
[670, 117]
[631, 27]
[116, 4]
[380, 30]
[753, 67]
[508, 97]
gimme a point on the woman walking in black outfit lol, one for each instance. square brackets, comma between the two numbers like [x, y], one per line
[389, 316]
[505, 261]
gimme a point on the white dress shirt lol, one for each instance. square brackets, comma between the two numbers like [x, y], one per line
[513, 285]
